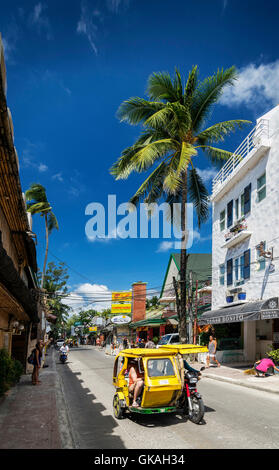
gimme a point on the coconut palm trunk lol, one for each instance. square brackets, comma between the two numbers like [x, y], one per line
[183, 261]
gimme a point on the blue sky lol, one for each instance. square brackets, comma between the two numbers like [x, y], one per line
[69, 66]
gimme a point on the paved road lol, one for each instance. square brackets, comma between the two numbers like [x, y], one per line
[236, 417]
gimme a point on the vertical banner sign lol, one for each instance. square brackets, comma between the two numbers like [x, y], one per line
[121, 302]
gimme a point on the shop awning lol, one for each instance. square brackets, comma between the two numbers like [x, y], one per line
[250, 311]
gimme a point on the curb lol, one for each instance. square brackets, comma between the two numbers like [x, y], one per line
[242, 384]
[66, 428]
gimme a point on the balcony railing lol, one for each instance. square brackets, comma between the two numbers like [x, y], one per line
[253, 141]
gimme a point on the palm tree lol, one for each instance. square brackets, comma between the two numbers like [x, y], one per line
[173, 120]
[40, 205]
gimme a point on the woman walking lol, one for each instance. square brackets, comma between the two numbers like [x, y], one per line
[37, 363]
[212, 346]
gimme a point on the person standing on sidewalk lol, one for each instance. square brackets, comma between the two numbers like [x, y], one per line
[37, 363]
[212, 346]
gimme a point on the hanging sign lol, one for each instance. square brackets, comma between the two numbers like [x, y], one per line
[121, 308]
[121, 296]
[121, 320]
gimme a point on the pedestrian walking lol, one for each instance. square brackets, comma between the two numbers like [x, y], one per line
[150, 344]
[37, 357]
[212, 346]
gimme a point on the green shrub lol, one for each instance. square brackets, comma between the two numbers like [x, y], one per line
[274, 354]
[10, 371]
[155, 340]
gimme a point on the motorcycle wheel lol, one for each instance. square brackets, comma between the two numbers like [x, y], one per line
[117, 410]
[197, 410]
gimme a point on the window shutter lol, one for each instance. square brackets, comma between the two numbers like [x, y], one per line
[247, 199]
[247, 258]
[229, 272]
[230, 214]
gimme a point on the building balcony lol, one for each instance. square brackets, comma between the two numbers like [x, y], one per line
[239, 237]
[243, 159]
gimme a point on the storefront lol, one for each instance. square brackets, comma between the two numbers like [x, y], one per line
[259, 327]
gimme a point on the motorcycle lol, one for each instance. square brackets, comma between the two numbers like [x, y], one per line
[63, 357]
[192, 401]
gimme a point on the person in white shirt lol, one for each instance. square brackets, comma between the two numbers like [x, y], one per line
[64, 349]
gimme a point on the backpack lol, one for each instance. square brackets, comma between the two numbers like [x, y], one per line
[31, 358]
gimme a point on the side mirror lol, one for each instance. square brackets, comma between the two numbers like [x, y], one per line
[203, 368]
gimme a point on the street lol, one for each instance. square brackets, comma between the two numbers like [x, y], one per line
[235, 418]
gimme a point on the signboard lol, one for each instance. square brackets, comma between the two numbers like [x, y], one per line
[121, 320]
[77, 323]
[121, 308]
[121, 296]
[93, 328]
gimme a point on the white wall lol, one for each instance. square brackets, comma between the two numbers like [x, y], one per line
[263, 222]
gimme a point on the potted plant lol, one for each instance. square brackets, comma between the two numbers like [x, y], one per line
[229, 297]
[241, 295]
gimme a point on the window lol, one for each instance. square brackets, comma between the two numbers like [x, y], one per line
[222, 274]
[239, 270]
[242, 204]
[222, 220]
[160, 368]
[230, 214]
[260, 258]
[236, 209]
[229, 272]
[261, 188]
[247, 199]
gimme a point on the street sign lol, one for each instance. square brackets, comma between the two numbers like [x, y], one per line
[93, 328]
[121, 308]
[121, 296]
[77, 323]
[121, 320]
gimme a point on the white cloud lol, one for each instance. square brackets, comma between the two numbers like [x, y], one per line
[58, 177]
[40, 21]
[89, 296]
[113, 5]
[207, 174]
[87, 25]
[42, 168]
[165, 246]
[256, 86]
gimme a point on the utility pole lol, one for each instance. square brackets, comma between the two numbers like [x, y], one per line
[190, 307]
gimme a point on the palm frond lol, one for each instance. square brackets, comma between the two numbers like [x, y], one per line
[146, 156]
[198, 195]
[209, 92]
[191, 84]
[219, 131]
[51, 222]
[177, 166]
[160, 87]
[152, 188]
[38, 207]
[216, 156]
[135, 110]
[36, 193]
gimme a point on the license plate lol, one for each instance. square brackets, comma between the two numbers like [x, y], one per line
[163, 382]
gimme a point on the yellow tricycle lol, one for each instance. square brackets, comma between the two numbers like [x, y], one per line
[156, 381]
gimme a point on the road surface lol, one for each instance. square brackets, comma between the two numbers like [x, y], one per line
[235, 418]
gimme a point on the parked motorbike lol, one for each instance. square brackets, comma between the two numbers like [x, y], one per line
[191, 400]
[63, 357]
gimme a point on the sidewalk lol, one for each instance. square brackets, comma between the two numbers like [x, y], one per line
[35, 417]
[234, 374]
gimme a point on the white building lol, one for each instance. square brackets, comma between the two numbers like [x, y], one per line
[245, 240]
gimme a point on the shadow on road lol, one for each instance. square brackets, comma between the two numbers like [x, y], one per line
[93, 429]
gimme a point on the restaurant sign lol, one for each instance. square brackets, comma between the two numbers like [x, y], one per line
[121, 296]
[121, 308]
